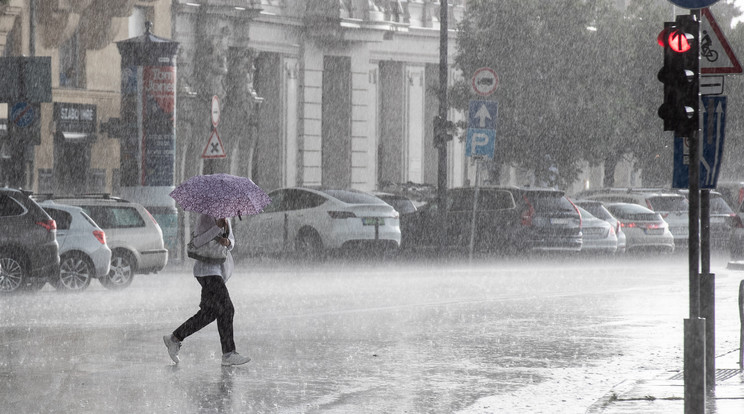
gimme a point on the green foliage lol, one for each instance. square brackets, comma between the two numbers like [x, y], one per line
[568, 93]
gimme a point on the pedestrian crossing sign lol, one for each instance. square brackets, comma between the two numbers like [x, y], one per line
[214, 148]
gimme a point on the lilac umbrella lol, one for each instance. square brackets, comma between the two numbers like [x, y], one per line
[221, 195]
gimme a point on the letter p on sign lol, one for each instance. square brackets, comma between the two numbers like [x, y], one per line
[480, 143]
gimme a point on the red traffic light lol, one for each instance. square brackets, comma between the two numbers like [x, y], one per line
[676, 39]
[679, 41]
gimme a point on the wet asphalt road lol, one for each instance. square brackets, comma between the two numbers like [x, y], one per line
[519, 336]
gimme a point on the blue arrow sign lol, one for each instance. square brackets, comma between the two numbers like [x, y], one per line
[714, 124]
[693, 4]
[480, 143]
[483, 114]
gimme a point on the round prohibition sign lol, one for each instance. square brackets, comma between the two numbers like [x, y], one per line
[215, 111]
[485, 81]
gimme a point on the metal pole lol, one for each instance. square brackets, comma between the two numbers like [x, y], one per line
[741, 324]
[443, 109]
[694, 327]
[707, 291]
[32, 28]
[694, 224]
[475, 207]
[705, 230]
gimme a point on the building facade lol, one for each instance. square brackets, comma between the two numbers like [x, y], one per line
[71, 153]
[320, 92]
[313, 93]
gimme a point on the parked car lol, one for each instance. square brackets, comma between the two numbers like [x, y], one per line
[672, 206]
[132, 234]
[29, 253]
[723, 220]
[645, 230]
[509, 220]
[736, 243]
[732, 192]
[497, 219]
[401, 203]
[548, 220]
[312, 222]
[598, 210]
[598, 236]
[84, 254]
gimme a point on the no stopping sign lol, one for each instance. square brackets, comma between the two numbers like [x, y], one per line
[485, 81]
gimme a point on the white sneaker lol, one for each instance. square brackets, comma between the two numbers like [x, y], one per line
[234, 358]
[173, 347]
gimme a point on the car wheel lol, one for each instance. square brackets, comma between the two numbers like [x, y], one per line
[308, 245]
[121, 273]
[12, 274]
[75, 273]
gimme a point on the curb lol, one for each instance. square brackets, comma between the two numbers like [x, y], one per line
[612, 395]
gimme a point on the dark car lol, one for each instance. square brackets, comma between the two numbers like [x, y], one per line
[509, 219]
[29, 253]
[723, 221]
[548, 221]
[496, 217]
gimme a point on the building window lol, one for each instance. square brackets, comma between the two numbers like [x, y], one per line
[72, 64]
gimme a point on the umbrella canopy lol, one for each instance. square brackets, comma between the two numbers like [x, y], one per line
[221, 195]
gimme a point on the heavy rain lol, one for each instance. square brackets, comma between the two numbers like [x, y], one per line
[306, 206]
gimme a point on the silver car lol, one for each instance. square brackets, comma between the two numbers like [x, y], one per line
[598, 210]
[84, 254]
[598, 235]
[135, 238]
[644, 229]
[670, 204]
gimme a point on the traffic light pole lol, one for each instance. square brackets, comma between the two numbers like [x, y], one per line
[694, 327]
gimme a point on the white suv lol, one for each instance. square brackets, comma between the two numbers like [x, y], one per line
[135, 238]
[672, 206]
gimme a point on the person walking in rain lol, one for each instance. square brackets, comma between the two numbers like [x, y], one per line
[215, 301]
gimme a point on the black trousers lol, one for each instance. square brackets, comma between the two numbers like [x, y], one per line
[215, 304]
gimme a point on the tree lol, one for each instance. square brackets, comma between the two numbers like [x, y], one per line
[577, 83]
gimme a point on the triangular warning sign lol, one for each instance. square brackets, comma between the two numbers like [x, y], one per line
[716, 56]
[214, 148]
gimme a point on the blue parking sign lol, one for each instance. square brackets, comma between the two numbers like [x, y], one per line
[480, 143]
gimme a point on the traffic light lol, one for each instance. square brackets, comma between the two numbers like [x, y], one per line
[444, 130]
[680, 75]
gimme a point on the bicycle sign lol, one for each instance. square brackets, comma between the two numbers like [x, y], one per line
[716, 55]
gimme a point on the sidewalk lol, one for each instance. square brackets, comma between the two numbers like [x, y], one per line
[666, 393]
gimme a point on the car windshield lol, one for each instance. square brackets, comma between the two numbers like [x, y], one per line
[597, 210]
[585, 214]
[550, 202]
[401, 205]
[719, 206]
[353, 197]
[665, 203]
[633, 212]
